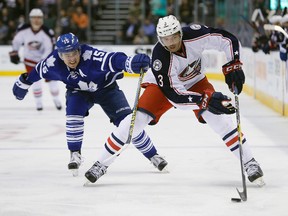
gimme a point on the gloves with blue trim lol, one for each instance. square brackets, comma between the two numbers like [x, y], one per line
[134, 64]
[21, 87]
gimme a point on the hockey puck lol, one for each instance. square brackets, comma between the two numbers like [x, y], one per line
[235, 199]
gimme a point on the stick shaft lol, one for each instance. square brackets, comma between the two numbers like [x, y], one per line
[243, 194]
[133, 118]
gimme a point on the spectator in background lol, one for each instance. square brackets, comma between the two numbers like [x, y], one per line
[11, 10]
[140, 37]
[130, 29]
[135, 9]
[185, 10]
[81, 21]
[3, 33]
[20, 9]
[12, 26]
[149, 30]
[4, 16]
[158, 9]
[64, 21]
[50, 20]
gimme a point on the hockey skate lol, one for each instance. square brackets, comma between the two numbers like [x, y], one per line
[159, 162]
[254, 172]
[75, 162]
[57, 104]
[39, 106]
[96, 171]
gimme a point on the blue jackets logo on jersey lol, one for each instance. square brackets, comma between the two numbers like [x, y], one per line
[191, 71]
[157, 65]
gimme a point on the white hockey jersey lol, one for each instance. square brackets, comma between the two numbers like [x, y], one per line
[175, 73]
[37, 45]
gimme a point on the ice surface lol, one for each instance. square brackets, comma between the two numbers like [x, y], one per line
[202, 179]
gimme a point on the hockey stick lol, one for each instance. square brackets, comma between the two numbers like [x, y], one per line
[131, 127]
[133, 118]
[243, 194]
[271, 27]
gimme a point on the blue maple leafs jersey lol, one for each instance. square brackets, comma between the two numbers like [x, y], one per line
[97, 69]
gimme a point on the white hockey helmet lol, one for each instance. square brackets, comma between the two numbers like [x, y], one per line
[275, 19]
[36, 12]
[167, 26]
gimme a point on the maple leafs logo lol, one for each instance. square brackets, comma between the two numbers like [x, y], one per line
[87, 55]
[50, 61]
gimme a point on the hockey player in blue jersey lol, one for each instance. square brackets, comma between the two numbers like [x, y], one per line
[90, 76]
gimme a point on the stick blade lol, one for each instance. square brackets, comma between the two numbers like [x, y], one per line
[243, 195]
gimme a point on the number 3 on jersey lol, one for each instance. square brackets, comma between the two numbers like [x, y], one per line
[160, 80]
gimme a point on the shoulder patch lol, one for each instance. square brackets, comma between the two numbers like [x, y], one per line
[195, 26]
[157, 65]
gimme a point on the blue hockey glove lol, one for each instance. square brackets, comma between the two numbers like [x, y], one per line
[234, 75]
[21, 87]
[135, 63]
[216, 103]
[14, 57]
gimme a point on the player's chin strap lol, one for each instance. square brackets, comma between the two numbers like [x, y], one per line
[243, 194]
[133, 118]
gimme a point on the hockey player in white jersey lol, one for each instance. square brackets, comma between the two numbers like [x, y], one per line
[38, 41]
[177, 79]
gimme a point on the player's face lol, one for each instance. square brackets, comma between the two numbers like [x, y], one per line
[172, 42]
[71, 59]
[36, 23]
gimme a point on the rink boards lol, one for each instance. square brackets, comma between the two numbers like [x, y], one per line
[266, 75]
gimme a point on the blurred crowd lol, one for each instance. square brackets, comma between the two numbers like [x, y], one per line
[266, 38]
[139, 27]
[72, 16]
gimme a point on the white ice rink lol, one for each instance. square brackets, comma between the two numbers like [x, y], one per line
[203, 174]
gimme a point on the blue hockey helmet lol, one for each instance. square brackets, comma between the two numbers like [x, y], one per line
[67, 43]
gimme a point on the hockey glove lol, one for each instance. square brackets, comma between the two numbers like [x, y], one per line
[21, 86]
[135, 63]
[234, 75]
[216, 102]
[14, 57]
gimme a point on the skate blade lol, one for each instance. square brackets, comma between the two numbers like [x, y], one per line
[89, 184]
[259, 182]
[164, 170]
[74, 172]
